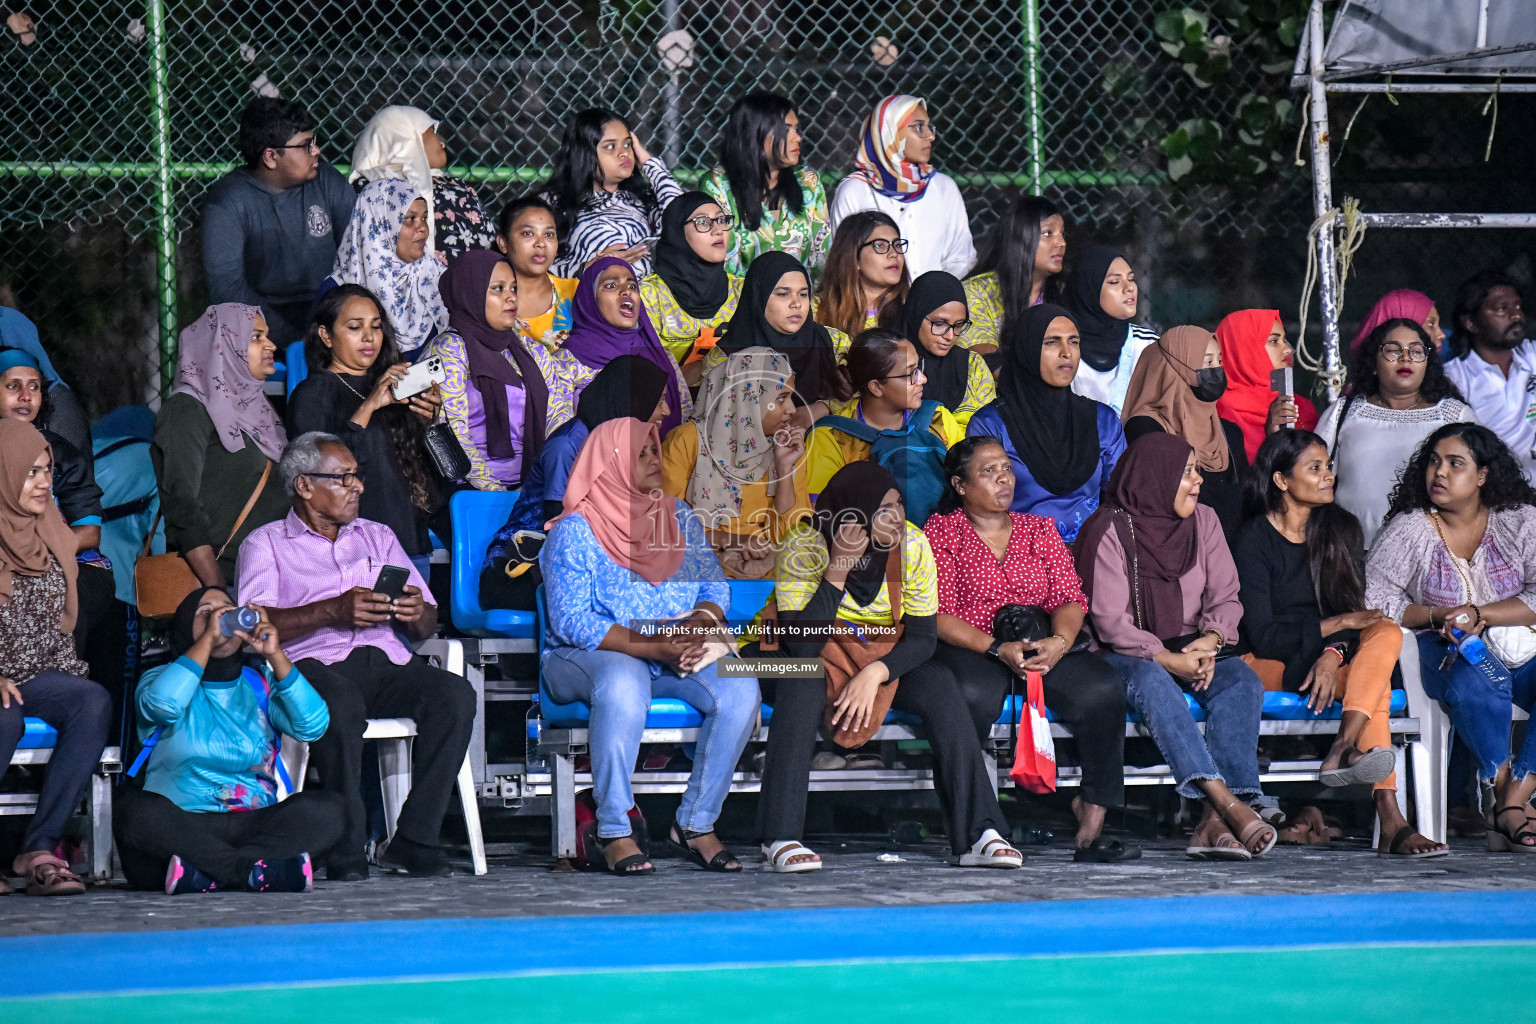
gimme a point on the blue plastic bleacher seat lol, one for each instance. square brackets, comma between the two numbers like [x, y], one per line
[477, 515]
[297, 367]
[1293, 706]
[36, 735]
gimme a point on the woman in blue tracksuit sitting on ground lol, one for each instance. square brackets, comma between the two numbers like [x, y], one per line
[208, 817]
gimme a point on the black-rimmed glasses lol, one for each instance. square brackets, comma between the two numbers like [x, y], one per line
[885, 245]
[911, 377]
[703, 224]
[311, 147]
[346, 479]
[942, 327]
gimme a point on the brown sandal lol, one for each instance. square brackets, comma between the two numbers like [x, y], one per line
[1307, 827]
[1252, 831]
[47, 875]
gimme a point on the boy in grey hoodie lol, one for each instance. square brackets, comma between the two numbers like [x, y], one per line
[271, 228]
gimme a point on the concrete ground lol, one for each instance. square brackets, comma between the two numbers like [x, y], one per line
[521, 883]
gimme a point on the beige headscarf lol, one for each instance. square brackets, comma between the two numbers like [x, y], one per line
[733, 450]
[390, 146]
[1162, 387]
[28, 537]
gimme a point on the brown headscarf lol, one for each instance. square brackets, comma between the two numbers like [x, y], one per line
[1138, 506]
[1162, 387]
[27, 537]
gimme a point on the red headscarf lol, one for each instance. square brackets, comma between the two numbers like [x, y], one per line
[1405, 303]
[1248, 396]
[639, 531]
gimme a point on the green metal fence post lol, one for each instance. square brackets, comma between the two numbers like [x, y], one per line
[1029, 14]
[165, 215]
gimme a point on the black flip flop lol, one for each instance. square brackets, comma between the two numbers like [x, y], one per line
[1105, 851]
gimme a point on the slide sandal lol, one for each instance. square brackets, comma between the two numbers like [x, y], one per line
[1105, 851]
[1372, 767]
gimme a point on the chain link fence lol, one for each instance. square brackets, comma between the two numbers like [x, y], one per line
[117, 114]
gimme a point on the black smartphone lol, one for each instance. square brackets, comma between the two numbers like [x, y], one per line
[391, 582]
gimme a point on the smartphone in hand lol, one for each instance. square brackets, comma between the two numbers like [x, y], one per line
[391, 582]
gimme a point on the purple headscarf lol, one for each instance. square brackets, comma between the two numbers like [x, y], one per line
[595, 341]
[213, 367]
[463, 287]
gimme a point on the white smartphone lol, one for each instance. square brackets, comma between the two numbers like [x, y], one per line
[420, 377]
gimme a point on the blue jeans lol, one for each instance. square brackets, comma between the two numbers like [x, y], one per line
[619, 689]
[1233, 703]
[1480, 697]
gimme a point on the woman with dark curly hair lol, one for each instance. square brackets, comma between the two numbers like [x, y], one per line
[1398, 395]
[1458, 557]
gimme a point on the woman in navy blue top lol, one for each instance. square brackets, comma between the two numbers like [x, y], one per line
[1063, 446]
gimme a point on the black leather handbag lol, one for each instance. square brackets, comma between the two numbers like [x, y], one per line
[446, 453]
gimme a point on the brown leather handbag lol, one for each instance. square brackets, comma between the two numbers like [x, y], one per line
[162, 582]
[847, 651]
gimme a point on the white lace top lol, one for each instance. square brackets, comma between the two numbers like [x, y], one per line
[1373, 445]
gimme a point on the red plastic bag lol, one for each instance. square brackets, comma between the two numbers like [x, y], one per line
[1034, 758]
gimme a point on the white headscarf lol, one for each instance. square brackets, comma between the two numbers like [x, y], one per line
[390, 146]
[407, 291]
[733, 450]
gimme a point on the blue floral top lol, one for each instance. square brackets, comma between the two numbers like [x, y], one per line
[587, 592]
[1070, 511]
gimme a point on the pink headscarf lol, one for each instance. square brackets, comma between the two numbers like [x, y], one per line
[1405, 303]
[639, 531]
[213, 367]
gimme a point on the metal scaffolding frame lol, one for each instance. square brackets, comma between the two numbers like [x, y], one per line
[1313, 74]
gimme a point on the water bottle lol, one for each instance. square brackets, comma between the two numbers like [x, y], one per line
[243, 619]
[1470, 646]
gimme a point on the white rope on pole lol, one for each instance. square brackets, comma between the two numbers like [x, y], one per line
[1352, 230]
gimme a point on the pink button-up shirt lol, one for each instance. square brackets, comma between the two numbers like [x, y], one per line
[286, 564]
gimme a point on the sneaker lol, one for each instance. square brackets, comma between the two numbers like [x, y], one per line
[401, 856]
[290, 874]
[181, 877]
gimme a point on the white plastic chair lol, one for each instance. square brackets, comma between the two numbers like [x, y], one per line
[394, 736]
[1430, 754]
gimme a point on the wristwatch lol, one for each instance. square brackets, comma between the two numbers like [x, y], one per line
[996, 649]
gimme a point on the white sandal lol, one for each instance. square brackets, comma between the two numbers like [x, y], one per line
[776, 857]
[991, 851]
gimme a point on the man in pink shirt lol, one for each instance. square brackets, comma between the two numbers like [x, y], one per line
[314, 572]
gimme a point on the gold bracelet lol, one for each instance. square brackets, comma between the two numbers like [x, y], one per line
[1067, 644]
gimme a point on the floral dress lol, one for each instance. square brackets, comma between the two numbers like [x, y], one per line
[805, 235]
[459, 222]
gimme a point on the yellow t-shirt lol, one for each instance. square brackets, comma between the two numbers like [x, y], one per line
[678, 331]
[830, 449]
[679, 458]
[841, 343]
[801, 563]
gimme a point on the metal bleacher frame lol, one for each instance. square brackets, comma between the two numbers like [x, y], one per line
[97, 798]
[562, 745]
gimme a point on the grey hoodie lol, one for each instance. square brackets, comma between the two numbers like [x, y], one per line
[273, 249]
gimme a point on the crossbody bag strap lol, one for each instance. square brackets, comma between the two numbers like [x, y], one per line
[149, 540]
[250, 503]
[893, 573]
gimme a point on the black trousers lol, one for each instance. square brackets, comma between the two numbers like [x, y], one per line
[81, 711]
[103, 638]
[928, 691]
[224, 845]
[368, 685]
[1082, 691]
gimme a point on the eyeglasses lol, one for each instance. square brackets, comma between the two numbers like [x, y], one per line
[702, 224]
[311, 147]
[1395, 353]
[923, 130]
[910, 377]
[943, 327]
[885, 245]
[346, 479]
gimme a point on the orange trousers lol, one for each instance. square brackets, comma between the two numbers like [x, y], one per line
[1367, 683]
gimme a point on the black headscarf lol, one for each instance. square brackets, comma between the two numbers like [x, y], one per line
[809, 349]
[699, 286]
[219, 670]
[1103, 335]
[629, 386]
[947, 376]
[463, 287]
[1055, 432]
[855, 493]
